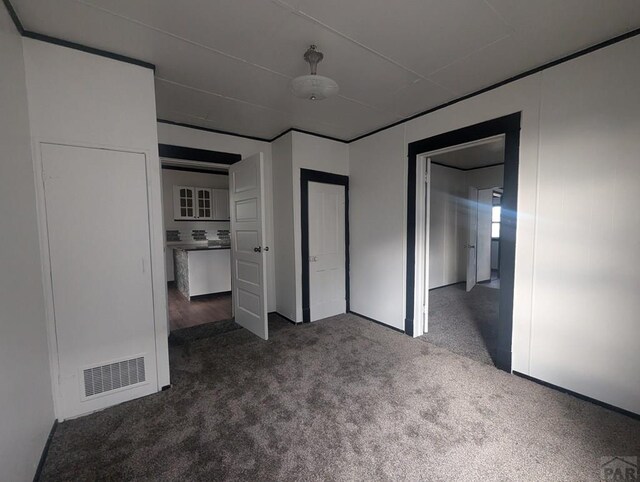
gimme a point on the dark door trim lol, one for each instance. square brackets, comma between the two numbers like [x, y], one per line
[508, 125]
[306, 176]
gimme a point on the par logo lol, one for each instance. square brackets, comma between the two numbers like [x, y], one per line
[619, 468]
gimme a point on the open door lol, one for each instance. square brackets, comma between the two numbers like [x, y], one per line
[472, 261]
[248, 250]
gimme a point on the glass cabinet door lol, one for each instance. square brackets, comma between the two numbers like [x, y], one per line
[204, 204]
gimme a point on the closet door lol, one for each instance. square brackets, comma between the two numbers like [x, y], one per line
[97, 219]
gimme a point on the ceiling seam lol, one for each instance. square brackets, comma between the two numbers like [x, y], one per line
[183, 39]
[302, 14]
[206, 92]
[219, 52]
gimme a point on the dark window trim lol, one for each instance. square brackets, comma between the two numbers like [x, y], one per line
[306, 176]
[509, 126]
[202, 155]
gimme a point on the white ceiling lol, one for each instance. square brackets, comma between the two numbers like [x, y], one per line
[474, 155]
[227, 64]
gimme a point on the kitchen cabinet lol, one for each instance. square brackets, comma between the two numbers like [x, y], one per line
[184, 202]
[221, 204]
[200, 203]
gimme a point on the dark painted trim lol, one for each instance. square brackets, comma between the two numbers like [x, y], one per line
[446, 286]
[141, 63]
[72, 45]
[527, 73]
[14, 16]
[45, 451]
[87, 49]
[284, 317]
[377, 322]
[294, 129]
[508, 125]
[306, 176]
[586, 398]
[195, 169]
[469, 169]
[214, 131]
[166, 387]
[192, 154]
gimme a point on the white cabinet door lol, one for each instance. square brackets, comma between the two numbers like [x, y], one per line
[183, 202]
[204, 204]
[221, 204]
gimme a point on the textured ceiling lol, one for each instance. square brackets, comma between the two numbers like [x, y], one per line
[227, 64]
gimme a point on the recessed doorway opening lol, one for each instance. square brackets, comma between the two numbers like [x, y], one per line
[463, 191]
[461, 228]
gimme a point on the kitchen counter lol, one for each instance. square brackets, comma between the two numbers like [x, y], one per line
[202, 269]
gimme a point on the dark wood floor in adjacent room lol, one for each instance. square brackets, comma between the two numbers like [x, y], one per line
[205, 309]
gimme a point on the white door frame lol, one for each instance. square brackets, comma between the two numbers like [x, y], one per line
[423, 218]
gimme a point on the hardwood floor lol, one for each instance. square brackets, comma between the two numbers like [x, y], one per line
[184, 313]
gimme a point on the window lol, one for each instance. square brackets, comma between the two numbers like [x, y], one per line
[495, 216]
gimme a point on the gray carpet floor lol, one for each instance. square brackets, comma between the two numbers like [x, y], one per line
[464, 323]
[339, 399]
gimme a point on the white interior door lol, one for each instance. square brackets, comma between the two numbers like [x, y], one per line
[97, 222]
[327, 282]
[248, 250]
[472, 272]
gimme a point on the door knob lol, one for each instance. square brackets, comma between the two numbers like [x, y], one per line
[313, 259]
[258, 249]
[266, 248]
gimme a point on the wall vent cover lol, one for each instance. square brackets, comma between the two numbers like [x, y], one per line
[113, 376]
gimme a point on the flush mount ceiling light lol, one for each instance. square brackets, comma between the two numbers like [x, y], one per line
[313, 86]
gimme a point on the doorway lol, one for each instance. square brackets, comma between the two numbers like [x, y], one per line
[325, 244]
[418, 259]
[461, 290]
[210, 199]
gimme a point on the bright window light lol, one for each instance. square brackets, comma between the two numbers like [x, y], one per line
[495, 214]
[495, 230]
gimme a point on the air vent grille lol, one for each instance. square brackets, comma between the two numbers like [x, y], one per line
[113, 376]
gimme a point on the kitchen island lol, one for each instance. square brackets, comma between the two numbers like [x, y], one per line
[202, 270]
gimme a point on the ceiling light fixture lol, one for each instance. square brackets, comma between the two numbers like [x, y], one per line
[313, 86]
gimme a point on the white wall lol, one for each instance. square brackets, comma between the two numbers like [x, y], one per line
[311, 152]
[377, 206]
[583, 337]
[77, 98]
[449, 224]
[199, 139]
[26, 413]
